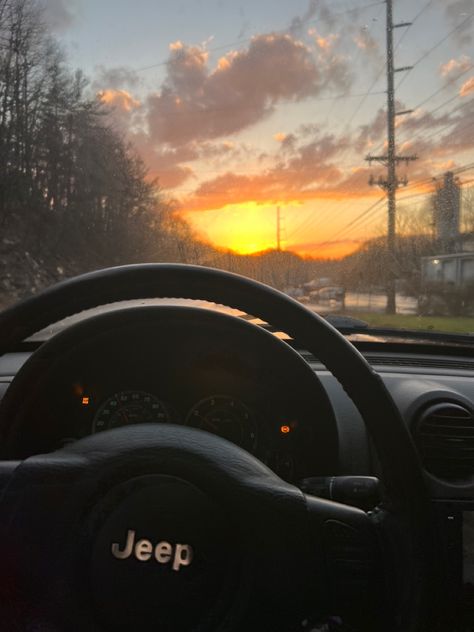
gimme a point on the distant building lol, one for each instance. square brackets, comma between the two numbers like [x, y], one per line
[455, 270]
[446, 214]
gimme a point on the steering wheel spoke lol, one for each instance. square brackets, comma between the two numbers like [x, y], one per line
[347, 541]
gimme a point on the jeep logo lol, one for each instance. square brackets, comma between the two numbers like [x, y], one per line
[163, 552]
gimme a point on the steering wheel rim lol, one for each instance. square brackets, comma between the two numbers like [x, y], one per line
[403, 478]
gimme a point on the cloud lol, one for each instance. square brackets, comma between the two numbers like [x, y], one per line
[120, 100]
[117, 78]
[372, 132]
[454, 66]
[420, 120]
[457, 12]
[365, 41]
[170, 166]
[438, 139]
[308, 172]
[320, 11]
[197, 103]
[325, 43]
[59, 15]
[310, 167]
[467, 87]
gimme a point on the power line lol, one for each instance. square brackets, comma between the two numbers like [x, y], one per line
[435, 46]
[426, 54]
[315, 221]
[448, 83]
[391, 160]
[249, 39]
[450, 124]
[353, 222]
[429, 180]
[359, 49]
[368, 214]
[382, 68]
[197, 111]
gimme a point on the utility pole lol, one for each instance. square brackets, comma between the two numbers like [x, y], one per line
[278, 229]
[391, 183]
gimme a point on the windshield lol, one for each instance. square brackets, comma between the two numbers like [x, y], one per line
[323, 147]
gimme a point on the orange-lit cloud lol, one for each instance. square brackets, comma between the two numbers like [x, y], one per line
[324, 43]
[178, 45]
[467, 87]
[453, 66]
[187, 132]
[119, 99]
[199, 103]
[365, 41]
[306, 173]
[276, 186]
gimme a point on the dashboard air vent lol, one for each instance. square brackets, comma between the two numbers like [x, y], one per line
[444, 435]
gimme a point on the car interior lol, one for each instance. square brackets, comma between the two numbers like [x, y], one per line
[265, 482]
[236, 316]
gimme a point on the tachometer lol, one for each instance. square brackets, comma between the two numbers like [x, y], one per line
[129, 407]
[227, 417]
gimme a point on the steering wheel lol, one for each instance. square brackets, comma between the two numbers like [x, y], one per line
[166, 527]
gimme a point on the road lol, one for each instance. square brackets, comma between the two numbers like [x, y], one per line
[364, 302]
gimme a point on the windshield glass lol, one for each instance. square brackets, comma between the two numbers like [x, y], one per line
[323, 147]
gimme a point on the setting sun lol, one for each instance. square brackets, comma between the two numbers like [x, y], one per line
[243, 228]
[310, 229]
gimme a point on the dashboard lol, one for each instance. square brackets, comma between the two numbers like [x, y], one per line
[239, 386]
[279, 404]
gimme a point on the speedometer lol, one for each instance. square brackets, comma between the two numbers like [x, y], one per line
[129, 407]
[227, 417]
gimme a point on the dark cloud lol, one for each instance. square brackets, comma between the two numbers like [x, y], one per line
[372, 132]
[321, 13]
[170, 166]
[457, 13]
[59, 14]
[117, 78]
[298, 23]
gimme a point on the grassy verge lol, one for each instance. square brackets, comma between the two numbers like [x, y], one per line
[452, 324]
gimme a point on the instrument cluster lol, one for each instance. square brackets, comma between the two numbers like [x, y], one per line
[218, 414]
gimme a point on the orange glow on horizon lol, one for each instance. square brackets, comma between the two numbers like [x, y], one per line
[317, 228]
[251, 228]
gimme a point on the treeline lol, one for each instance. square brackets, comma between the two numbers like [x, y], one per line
[73, 194]
[369, 266]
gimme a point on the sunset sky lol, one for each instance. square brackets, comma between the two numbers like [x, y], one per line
[240, 106]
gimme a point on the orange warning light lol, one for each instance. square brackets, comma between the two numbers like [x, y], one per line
[285, 429]
[85, 401]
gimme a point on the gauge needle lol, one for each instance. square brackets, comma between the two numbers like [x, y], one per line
[205, 421]
[125, 419]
